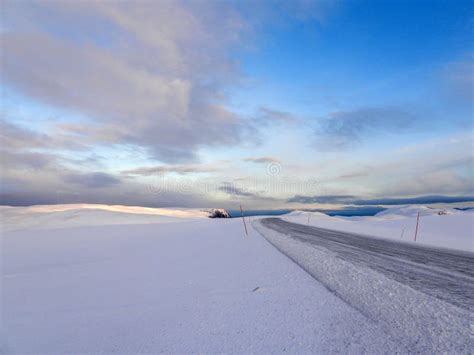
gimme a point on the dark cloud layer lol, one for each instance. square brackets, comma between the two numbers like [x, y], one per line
[91, 180]
[26, 160]
[166, 169]
[128, 197]
[416, 200]
[19, 138]
[335, 199]
[353, 200]
[233, 190]
[261, 160]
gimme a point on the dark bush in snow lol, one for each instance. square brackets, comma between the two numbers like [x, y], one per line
[218, 213]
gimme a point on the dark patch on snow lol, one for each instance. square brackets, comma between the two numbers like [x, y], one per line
[218, 213]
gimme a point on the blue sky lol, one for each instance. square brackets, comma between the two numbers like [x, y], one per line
[211, 103]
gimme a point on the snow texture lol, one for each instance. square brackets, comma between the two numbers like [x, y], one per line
[420, 323]
[195, 285]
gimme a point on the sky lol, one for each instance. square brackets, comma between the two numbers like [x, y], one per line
[268, 104]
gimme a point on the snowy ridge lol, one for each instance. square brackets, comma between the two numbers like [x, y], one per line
[77, 215]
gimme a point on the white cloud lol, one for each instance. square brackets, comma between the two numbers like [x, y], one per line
[156, 81]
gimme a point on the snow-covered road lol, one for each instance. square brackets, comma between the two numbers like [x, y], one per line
[442, 273]
[421, 295]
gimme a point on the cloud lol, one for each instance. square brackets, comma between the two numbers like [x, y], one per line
[148, 74]
[261, 160]
[232, 189]
[57, 184]
[162, 67]
[270, 116]
[416, 200]
[25, 160]
[325, 199]
[353, 200]
[91, 180]
[125, 195]
[15, 137]
[165, 169]
[24, 149]
[343, 129]
[412, 169]
[34, 175]
[251, 193]
[355, 174]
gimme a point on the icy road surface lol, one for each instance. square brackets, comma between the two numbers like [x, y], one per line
[444, 274]
[421, 296]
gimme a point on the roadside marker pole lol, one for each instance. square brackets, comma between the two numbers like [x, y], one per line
[309, 216]
[243, 219]
[403, 231]
[417, 221]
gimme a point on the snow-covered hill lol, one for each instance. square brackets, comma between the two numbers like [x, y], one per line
[76, 215]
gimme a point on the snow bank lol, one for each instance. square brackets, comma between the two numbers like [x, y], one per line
[448, 228]
[193, 286]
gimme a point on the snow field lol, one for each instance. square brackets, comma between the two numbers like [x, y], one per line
[195, 286]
